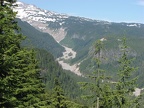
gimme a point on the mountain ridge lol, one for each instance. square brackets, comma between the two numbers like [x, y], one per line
[54, 23]
[80, 33]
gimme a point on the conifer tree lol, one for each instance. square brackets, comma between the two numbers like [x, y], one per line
[100, 88]
[125, 86]
[20, 83]
[59, 100]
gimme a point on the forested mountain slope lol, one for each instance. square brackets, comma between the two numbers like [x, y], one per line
[46, 47]
[37, 39]
[80, 34]
[50, 69]
[31, 77]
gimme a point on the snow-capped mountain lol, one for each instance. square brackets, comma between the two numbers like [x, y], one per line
[44, 19]
[60, 25]
[32, 13]
[80, 33]
[40, 19]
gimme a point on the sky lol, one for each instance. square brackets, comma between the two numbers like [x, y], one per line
[107, 10]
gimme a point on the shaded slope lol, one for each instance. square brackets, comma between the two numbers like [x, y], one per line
[39, 39]
[50, 69]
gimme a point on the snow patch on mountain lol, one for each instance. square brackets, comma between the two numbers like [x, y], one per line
[40, 19]
[56, 25]
[30, 12]
[133, 25]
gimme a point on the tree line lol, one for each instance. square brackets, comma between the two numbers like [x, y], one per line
[23, 83]
[106, 93]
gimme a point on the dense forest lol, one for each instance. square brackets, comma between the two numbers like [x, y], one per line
[37, 39]
[31, 78]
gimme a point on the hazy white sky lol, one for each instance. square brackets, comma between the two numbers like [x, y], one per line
[109, 10]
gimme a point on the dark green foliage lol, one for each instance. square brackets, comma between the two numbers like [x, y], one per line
[40, 40]
[50, 69]
[9, 44]
[112, 53]
[23, 81]
[125, 85]
[99, 87]
[59, 100]
[82, 33]
[20, 83]
[106, 92]
[29, 88]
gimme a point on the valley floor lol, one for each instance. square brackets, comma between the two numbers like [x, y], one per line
[69, 54]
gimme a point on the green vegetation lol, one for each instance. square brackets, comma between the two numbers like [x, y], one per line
[99, 87]
[125, 85]
[30, 77]
[40, 40]
[50, 69]
[20, 84]
[108, 94]
[21, 81]
[81, 35]
[112, 54]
